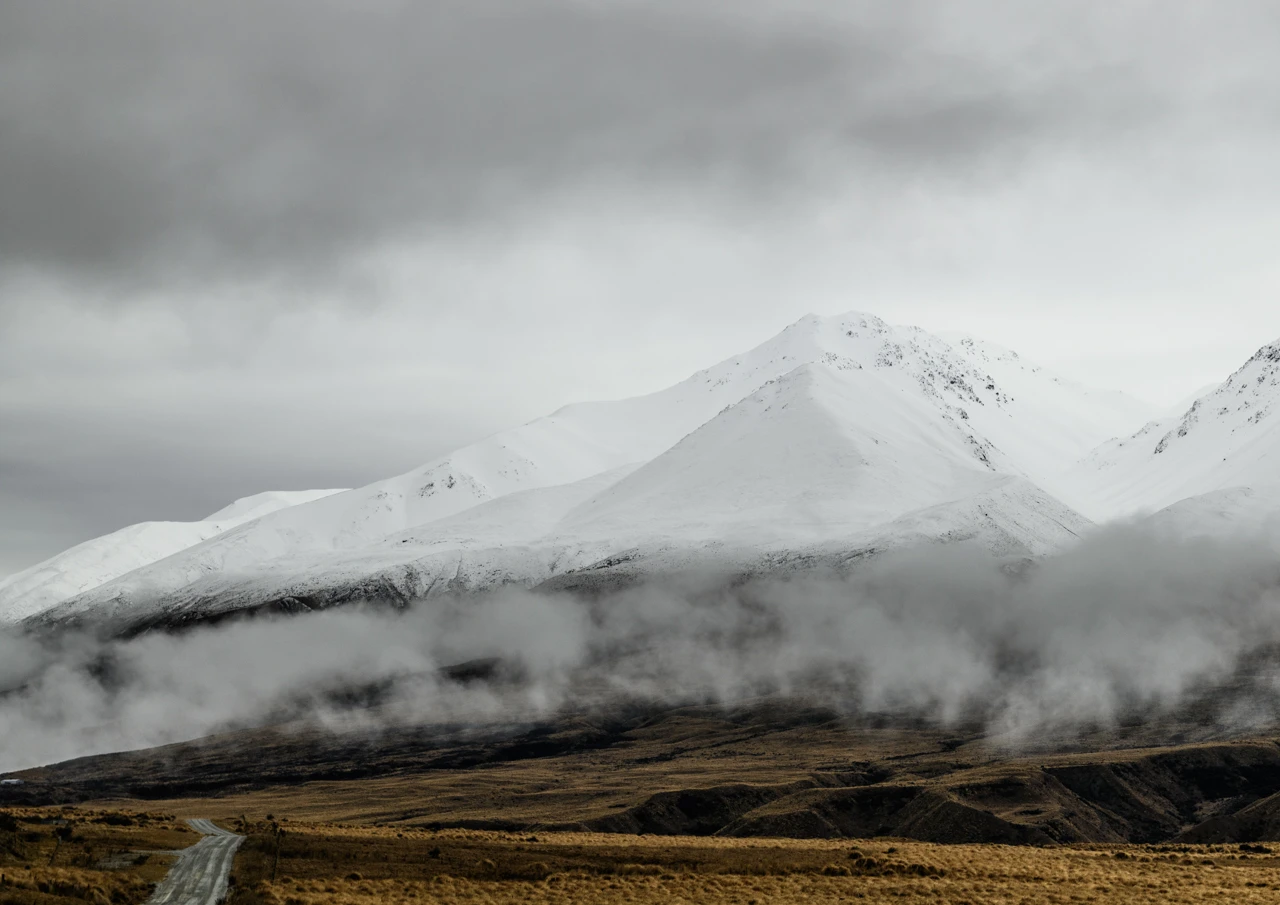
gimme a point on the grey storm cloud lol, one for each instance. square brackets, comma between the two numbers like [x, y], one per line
[285, 244]
[143, 141]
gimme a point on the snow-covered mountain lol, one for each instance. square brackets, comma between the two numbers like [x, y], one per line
[839, 433]
[1227, 438]
[821, 452]
[1252, 513]
[838, 438]
[96, 561]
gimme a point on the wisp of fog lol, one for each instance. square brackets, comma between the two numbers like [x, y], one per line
[1127, 622]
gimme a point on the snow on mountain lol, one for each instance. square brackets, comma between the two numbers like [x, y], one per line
[1070, 418]
[1011, 517]
[259, 504]
[823, 450]
[582, 440]
[489, 544]
[1232, 512]
[1229, 437]
[829, 457]
[1186, 401]
[830, 428]
[826, 458]
[101, 559]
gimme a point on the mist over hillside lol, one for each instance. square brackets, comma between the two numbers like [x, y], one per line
[1131, 624]
[873, 518]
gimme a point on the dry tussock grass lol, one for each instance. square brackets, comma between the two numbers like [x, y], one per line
[771, 769]
[681, 752]
[50, 885]
[368, 865]
[56, 855]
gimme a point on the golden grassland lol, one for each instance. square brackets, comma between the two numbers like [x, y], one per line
[50, 856]
[314, 864]
[336, 821]
[690, 748]
[687, 750]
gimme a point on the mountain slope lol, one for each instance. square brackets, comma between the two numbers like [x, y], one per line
[825, 458]
[821, 451]
[1229, 437]
[1232, 512]
[582, 440]
[102, 559]
[913, 412]
[1067, 415]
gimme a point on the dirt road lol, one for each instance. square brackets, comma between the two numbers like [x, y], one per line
[199, 876]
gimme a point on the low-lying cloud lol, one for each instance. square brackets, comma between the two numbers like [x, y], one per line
[1128, 623]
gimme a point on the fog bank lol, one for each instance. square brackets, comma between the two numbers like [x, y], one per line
[1129, 622]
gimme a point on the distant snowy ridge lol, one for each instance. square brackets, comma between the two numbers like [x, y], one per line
[94, 562]
[1229, 437]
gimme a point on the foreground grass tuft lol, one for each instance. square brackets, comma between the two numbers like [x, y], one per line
[63, 855]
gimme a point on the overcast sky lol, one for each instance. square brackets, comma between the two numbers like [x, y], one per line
[280, 245]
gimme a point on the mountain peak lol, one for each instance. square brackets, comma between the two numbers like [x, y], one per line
[1270, 352]
[1227, 437]
[1241, 403]
[831, 424]
[817, 452]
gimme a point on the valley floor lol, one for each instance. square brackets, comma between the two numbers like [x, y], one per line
[386, 866]
[106, 856]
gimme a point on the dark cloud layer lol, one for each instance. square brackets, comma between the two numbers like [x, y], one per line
[148, 141]
[246, 136]
[271, 245]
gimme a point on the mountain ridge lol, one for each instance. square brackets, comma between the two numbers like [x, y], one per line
[102, 559]
[1225, 438]
[831, 431]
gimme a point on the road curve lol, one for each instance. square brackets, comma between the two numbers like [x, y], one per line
[199, 876]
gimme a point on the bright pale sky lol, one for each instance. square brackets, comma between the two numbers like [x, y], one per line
[279, 245]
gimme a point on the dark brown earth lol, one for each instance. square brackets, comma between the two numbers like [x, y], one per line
[776, 768]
